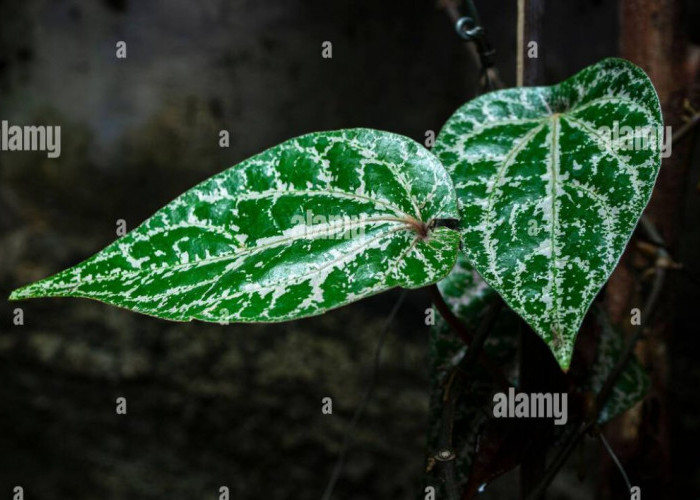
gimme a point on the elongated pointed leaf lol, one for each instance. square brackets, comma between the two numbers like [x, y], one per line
[311, 224]
[549, 191]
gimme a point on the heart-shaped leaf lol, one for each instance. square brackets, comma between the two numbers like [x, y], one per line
[311, 224]
[550, 190]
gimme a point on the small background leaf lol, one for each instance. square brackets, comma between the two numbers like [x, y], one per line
[634, 381]
[488, 447]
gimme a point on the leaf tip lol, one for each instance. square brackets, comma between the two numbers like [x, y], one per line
[31, 291]
[21, 293]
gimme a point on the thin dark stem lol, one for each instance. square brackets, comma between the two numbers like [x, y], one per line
[449, 316]
[616, 460]
[338, 469]
[457, 326]
[475, 350]
[446, 455]
[480, 50]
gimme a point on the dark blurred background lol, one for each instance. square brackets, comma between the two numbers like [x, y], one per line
[237, 405]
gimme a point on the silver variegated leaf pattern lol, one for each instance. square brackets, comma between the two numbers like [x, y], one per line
[548, 197]
[314, 223]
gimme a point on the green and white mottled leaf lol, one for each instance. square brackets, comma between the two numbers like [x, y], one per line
[547, 203]
[316, 222]
[633, 383]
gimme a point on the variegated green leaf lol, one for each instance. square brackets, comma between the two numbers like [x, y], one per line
[634, 381]
[548, 197]
[311, 224]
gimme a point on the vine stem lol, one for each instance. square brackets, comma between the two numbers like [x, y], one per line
[467, 337]
[453, 391]
[520, 60]
[491, 78]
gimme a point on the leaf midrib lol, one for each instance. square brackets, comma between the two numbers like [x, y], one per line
[247, 251]
[554, 166]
